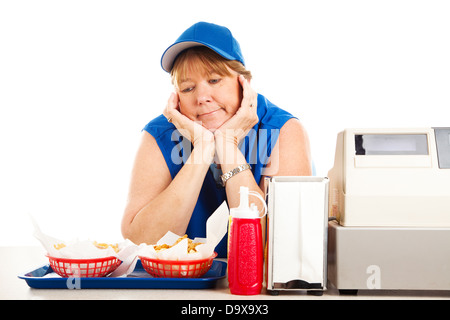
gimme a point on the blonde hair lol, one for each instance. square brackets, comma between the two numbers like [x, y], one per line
[202, 59]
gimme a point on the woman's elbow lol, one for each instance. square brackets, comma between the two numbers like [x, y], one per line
[130, 234]
[125, 229]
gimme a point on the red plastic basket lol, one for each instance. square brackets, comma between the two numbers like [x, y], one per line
[177, 268]
[88, 268]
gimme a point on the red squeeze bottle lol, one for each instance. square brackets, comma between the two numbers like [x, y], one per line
[245, 247]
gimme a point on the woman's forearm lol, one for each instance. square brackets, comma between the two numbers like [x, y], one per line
[231, 157]
[171, 210]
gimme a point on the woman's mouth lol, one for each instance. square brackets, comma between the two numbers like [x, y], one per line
[208, 114]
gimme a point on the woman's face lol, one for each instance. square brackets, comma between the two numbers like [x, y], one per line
[209, 98]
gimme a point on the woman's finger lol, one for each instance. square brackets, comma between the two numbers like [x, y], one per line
[249, 98]
[172, 112]
[171, 107]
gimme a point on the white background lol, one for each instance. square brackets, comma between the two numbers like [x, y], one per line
[80, 79]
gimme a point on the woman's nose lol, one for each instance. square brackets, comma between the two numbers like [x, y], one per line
[203, 94]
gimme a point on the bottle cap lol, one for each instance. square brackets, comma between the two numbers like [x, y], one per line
[244, 210]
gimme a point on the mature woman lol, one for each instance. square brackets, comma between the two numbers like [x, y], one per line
[215, 135]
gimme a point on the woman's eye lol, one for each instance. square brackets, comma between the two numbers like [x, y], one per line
[186, 90]
[214, 81]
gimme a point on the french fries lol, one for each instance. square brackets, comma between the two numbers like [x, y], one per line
[190, 249]
[59, 246]
[106, 245]
[115, 247]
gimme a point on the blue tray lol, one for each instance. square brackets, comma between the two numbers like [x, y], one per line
[42, 278]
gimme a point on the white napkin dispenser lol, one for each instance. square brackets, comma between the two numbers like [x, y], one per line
[297, 222]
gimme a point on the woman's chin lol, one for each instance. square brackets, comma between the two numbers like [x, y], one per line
[212, 123]
[212, 126]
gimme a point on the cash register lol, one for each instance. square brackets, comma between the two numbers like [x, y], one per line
[389, 210]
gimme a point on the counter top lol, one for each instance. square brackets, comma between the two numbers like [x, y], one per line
[18, 260]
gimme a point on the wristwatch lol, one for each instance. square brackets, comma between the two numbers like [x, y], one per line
[234, 172]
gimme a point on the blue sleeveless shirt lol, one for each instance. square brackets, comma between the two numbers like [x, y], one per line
[256, 147]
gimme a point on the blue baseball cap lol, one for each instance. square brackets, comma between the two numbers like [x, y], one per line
[206, 34]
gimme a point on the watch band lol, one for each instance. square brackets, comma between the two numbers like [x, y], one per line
[234, 172]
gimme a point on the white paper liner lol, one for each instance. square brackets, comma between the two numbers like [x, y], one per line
[216, 228]
[84, 249]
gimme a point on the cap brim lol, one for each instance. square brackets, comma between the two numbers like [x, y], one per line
[174, 50]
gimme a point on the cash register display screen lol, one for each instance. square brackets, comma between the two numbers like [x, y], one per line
[391, 144]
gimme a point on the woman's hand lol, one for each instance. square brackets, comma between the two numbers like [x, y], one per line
[191, 130]
[237, 127]
[228, 135]
[200, 137]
